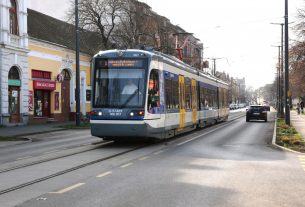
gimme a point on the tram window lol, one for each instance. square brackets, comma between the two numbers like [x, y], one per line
[214, 98]
[153, 91]
[207, 99]
[202, 106]
[172, 93]
[175, 94]
[188, 95]
[220, 97]
[168, 94]
[225, 97]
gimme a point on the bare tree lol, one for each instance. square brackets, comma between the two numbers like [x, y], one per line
[297, 69]
[100, 16]
[138, 26]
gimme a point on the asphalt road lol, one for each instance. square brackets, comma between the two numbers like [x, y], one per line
[231, 164]
[46, 143]
[54, 142]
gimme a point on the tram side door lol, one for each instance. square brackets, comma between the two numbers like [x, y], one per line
[194, 101]
[182, 101]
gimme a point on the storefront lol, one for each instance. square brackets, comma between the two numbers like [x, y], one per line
[43, 88]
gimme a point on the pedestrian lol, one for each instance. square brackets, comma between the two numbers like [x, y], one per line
[298, 108]
[302, 107]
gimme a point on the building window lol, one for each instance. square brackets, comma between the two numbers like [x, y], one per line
[13, 18]
[41, 74]
[13, 73]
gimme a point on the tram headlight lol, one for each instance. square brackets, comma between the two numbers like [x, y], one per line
[100, 113]
[137, 113]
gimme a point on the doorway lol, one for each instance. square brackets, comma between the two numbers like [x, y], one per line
[14, 103]
[65, 95]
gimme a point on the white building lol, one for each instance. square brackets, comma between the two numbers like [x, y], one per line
[13, 62]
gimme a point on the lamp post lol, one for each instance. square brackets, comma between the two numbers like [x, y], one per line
[281, 73]
[287, 93]
[77, 93]
[278, 85]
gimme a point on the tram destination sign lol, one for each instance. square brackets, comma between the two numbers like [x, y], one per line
[121, 63]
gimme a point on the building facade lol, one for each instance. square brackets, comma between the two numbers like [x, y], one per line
[37, 67]
[13, 62]
[37, 60]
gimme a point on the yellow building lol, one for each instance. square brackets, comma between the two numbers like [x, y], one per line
[51, 70]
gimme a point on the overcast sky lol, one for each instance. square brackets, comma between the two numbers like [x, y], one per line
[238, 31]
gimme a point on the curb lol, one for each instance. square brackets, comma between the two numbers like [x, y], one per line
[14, 143]
[281, 147]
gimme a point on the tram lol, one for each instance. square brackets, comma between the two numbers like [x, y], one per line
[139, 93]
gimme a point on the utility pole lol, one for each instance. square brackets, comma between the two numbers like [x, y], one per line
[281, 74]
[287, 93]
[77, 118]
[214, 64]
[278, 82]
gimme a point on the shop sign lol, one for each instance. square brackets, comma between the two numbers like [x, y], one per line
[31, 101]
[12, 82]
[45, 85]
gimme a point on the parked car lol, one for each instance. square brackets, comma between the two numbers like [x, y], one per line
[257, 112]
[232, 106]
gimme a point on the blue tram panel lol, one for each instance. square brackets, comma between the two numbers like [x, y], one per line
[137, 93]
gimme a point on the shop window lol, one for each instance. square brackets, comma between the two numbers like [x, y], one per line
[13, 18]
[153, 91]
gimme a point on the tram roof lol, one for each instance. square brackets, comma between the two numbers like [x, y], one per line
[168, 58]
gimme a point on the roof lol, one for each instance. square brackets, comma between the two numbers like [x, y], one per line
[47, 28]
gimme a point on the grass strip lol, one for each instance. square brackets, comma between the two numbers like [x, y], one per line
[288, 137]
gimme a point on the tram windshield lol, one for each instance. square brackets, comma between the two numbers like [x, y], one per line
[119, 87]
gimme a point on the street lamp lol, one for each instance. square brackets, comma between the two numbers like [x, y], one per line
[281, 72]
[278, 86]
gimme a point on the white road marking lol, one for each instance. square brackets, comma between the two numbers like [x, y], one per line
[126, 165]
[143, 158]
[104, 174]
[69, 188]
[22, 158]
[159, 152]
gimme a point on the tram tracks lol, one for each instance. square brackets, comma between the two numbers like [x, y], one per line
[23, 184]
[6, 167]
[62, 172]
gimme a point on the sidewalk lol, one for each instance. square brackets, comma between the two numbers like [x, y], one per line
[31, 129]
[298, 122]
